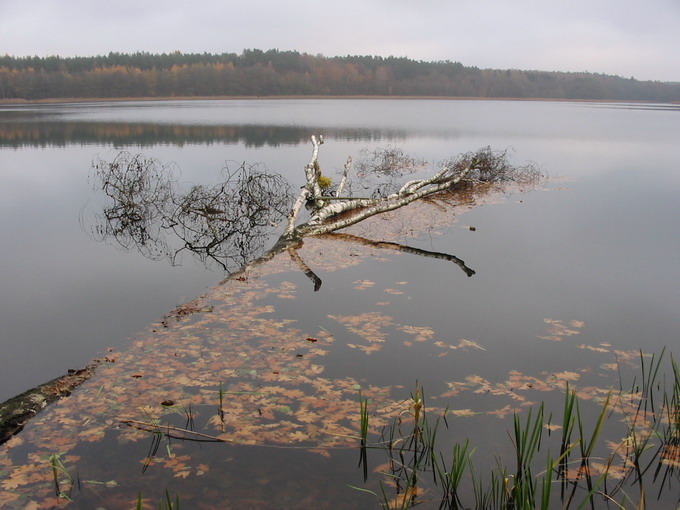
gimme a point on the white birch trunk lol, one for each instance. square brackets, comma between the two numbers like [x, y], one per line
[333, 213]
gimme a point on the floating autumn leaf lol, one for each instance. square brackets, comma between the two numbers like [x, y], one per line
[298, 436]
[519, 381]
[367, 349]
[422, 333]
[463, 412]
[552, 426]
[9, 498]
[383, 468]
[394, 292]
[504, 411]
[567, 376]
[16, 478]
[592, 348]
[617, 472]
[557, 330]
[465, 344]
[368, 326]
[670, 456]
[286, 290]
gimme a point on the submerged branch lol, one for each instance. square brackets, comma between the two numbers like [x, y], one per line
[174, 432]
[402, 248]
[16, 412]
[305, 268]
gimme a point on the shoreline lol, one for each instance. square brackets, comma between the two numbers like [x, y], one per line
[72, 100]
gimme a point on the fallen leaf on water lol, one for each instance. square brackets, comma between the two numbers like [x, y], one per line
[568, 376]
[558, 331]
[464, 344]
[592, 348]
[385, 467]
[463, 412]
[298, 436]
[363, 284]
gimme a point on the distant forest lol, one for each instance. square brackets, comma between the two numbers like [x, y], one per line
[290, 73]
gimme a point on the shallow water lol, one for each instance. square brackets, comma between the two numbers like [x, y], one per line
[565, 276]
[603, 247]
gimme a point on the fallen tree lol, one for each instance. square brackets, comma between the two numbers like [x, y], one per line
[331, 211]
[230, 221]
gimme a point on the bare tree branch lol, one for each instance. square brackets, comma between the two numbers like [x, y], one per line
[329, 214]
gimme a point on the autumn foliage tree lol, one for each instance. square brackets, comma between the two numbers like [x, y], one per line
[258, 73]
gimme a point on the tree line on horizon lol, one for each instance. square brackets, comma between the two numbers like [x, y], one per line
[290, 73]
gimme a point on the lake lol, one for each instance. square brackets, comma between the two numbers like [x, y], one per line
[569, 277]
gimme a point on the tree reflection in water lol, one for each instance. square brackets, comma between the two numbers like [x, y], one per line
[230, 223]
[227, 224]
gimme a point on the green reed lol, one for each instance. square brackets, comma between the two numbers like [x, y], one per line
[649, 414]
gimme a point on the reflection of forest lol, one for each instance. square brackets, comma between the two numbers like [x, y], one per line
[60, 134]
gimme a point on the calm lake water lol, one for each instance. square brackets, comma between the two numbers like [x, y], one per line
[595, 249]
[603, 250]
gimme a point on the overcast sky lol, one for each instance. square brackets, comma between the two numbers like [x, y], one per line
[622, 37]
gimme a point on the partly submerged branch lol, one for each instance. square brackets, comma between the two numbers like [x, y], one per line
[332, 213]
[231, 222]
[331, 217]
[402, 248]
[305, 268]
[17, 411]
